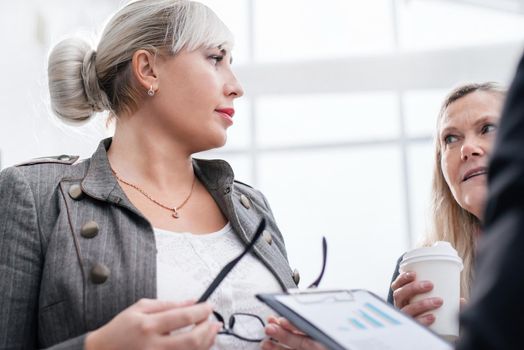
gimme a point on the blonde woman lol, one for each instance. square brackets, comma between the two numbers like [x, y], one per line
[466, 129]
[97, 254]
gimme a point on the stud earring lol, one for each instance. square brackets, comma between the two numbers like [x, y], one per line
[151, 92]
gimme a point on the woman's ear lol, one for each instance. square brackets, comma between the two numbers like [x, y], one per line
[145, 70]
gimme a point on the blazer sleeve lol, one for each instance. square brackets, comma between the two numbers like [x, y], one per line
[21, 260]
[495, 314]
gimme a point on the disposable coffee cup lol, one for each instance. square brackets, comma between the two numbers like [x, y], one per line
[441, 265]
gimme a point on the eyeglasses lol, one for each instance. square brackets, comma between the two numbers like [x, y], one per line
[324, 259]
[245, 326]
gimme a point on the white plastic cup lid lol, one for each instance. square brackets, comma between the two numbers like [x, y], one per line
[440, 250]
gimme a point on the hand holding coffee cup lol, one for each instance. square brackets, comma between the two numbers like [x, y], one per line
[405, 288]
[428, 287]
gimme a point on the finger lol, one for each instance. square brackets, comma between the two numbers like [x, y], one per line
[426, 320]
[294, 341]
[210, 334]
[419, 307]
[273, 319]
[310, 344]
[202, 336]
[272, 345]
[402, 279]
[301, 343]
[284, 323]
[149, 306]
[170, 320]
[404, 294]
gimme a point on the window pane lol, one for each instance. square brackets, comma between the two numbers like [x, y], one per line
[421, 160]
[55, 19]
[351, 196]
[235, 15]
[309, 29]
[241, 165]
[310, 119]
[439, 24]
[421, 109]
[28, 130]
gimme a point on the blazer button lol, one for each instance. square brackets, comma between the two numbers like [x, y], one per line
[267, 237]
[245, 201]
[296, 276]
[99, 273]
[89, 230]
[75, 191]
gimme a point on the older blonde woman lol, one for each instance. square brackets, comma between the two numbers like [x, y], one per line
[466, 129]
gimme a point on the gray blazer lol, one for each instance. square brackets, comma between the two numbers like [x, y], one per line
[74, 251]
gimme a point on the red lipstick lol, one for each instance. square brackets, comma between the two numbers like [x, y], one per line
[229, 111]
[226, 113]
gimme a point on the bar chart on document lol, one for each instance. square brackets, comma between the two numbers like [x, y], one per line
[369, 317]
[358, 320]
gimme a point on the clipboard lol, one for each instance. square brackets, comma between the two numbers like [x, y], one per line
[353, 319]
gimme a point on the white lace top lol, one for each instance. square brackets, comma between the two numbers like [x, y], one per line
[187, 263]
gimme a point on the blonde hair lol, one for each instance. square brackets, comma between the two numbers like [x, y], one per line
[450, 222]
[83, 81]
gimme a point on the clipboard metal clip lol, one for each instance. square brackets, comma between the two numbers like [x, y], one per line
[316, 296]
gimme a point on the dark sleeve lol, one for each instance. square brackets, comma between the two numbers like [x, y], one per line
[494, 318]
[395, 275]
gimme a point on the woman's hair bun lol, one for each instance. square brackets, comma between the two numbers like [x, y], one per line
[73, 83]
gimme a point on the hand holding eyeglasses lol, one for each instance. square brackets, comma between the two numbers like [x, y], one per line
[148, 324]
[249, 327]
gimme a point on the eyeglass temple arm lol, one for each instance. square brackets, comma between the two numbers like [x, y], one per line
[226, 269]
[324, 258]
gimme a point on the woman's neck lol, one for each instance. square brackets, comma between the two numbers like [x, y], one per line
[140, 155]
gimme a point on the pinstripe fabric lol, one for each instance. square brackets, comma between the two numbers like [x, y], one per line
[47, 298]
